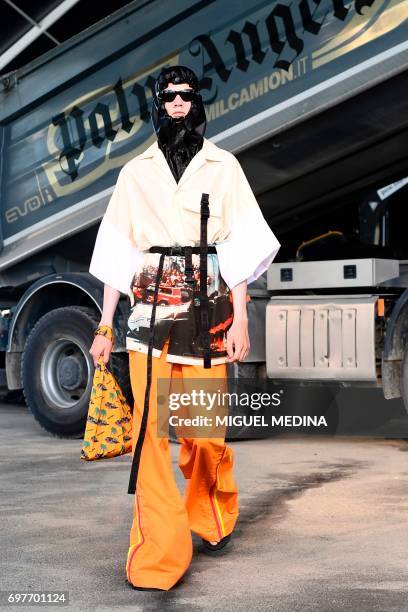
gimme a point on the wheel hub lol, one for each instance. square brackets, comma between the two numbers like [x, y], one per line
[70, 372]
[65, 372]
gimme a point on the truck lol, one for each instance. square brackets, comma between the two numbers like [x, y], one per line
[311, 98]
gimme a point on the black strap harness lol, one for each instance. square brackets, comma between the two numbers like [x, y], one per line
[185, 251]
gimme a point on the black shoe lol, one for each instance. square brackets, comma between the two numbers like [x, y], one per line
[219, 544]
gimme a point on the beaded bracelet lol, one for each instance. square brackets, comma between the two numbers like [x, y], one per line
[105, 330]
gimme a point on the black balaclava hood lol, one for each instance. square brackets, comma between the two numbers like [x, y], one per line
[180, 138]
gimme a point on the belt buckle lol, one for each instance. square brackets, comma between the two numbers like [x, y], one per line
[189, 275]
[176, 250]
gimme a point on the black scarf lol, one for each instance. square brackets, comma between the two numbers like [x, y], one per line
[179, 143]
[179, 138]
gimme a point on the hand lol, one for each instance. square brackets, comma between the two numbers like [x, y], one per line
[101, 346]
[238, 340]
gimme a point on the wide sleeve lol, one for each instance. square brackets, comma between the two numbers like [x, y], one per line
[251, 246]
[115, 255]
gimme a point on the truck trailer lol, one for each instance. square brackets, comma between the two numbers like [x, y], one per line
[311, 98]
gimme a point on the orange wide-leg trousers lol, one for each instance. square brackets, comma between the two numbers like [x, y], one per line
[160, 547]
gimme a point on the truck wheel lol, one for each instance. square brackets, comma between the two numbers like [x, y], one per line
[404, 379]
[57, 369]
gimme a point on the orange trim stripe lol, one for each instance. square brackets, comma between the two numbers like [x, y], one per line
[132, 550]
[216, 517]
[214, 503]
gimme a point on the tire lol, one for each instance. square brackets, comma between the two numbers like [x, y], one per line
[404, 379]
[57, 369]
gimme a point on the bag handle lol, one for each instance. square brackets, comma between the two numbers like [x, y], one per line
[107, 332]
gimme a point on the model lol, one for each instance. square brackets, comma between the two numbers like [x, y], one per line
[182, 236]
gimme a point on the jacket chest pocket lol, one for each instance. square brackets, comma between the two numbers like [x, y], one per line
[191, 212]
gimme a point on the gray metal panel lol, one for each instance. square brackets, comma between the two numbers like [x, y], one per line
[334, 338]
[320, 339]
[55, 228]
[57, 154]
[292, 333]
[317, 274]
[315, 100]
[306, 338]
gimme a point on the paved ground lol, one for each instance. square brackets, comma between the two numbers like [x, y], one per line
[323, 526]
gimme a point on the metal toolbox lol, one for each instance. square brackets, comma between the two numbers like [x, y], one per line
[309, 337]
[332, 273]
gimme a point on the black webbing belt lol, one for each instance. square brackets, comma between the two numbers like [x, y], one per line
[204, 306]
[187, 252]
[138, 449]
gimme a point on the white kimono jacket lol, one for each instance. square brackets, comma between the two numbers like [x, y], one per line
[149, 208]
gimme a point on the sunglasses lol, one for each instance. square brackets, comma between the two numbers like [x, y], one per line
[169, 95]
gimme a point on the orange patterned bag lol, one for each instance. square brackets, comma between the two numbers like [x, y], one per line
[108, 430]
